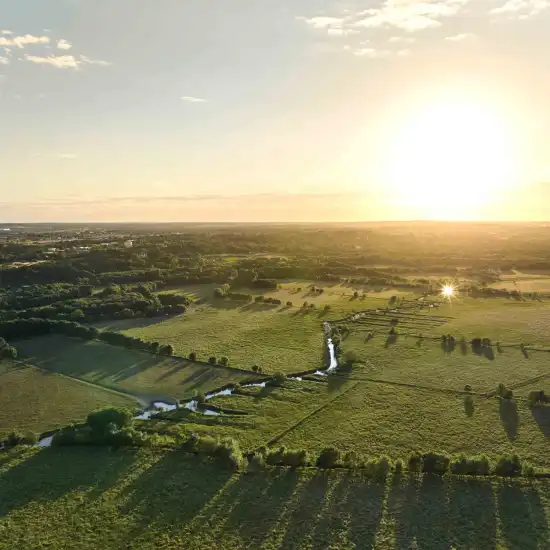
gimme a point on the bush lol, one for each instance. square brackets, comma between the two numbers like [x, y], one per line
[193, 356]
[379, 468]
[537, 398]
[166, 350]
[278, 379]
[212, 360]
[504, 392]
[508, 466]
[224, 361]
[256, 462]
[328, 458]
[101, 421]
[435, 463]
[295, 459]
[472, 466]
[468, 388]
[415, 462]
[289, 304]
[200, 398]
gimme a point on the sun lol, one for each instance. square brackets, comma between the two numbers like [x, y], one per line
[448, 160]
[448, 291]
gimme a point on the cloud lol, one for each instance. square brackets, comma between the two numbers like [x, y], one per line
[64, 61]
[322, 22]
[371, 53]
[64, 45]
[99, 62]
[67, 156]
[22, 41]
[401, 40]
[61, 62]
[460, 37]
[522, 8]
[409, 15]
[5, 31]
[4, 60]
[341, 32]
[192, 99]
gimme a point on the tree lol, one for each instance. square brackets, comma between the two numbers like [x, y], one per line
[167, 350]
[77, 315]
[155, 347]
[100, 421]
[224, 361]
[289, 304]
[255, 368]
[212, 360]
[193, 356]
[279, 379]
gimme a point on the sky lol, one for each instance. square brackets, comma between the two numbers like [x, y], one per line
[274, 110]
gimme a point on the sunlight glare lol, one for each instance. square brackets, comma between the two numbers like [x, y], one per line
[447, 291]
[450, 159]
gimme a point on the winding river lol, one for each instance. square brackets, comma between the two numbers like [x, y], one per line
[193, 404]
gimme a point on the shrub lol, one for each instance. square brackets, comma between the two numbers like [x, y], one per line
[472, 466]
[415, 462]
[328, 458]
[468, 388]
[528, 471]
[8, 352]
[508, 466]
[212, 360]
[289, 304]
[166, 350]
[200, 398]
[224, 361]
[101, 421]
[295, 459]
[537, 398]
[256, 462]
[278, 379]
[398, 467]
[193, 356]
[435, 463]
[379, 468]
[351, 459]
[504, 392]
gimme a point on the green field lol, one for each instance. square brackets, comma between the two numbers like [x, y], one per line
[34, 400]
[143, 375]
[94, 498]
[274, 338]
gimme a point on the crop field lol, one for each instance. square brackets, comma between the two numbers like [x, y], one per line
[134, 372]
[34, 400]
[94, 498]
[274, 338]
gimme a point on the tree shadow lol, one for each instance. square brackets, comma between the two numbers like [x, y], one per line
[523, 520]
[469, 406]
[390, 340]
[541, 415]
[509, 417]
[171, 493]
[309, 504]
[335, 382]
[472, 514]
[525, 353]
[401, 507]
[432, 525]
[259, 504]
[51, 473]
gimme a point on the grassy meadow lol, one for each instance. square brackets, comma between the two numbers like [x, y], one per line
[141, 374]
[35, 400]
[95, 498]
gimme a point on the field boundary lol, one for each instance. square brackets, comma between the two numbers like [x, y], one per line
[298, 423]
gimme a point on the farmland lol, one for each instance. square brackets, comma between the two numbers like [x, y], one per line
[417, 371]
[35, 400]
[162, 500]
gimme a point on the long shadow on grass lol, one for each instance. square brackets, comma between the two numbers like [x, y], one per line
[171, 493]
[420, 509]
[52, 473]
[259, 504]
[354, 512]
[309, 504]
[522, 517]
[542, 418]
[509, 417]
[472, 515]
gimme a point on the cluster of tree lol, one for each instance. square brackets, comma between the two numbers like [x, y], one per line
[112, 302]
[263, 300]
[224, 292]
[265, 284]
[213, 360]
[31, 296]
[112, 427]
[7, 351]
[225, 450]
[29, 328]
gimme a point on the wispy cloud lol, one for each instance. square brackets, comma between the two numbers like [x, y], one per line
[5, 31]
[371, 53]
[22, 41]
[460, 37]
[64, 61]
[322, 22]
[193, 99]
[67, 156]
[341, 32]
[4, 60]
[401, 40]
[521, 8]
[409, 15]
[61, 61]
[64, 45]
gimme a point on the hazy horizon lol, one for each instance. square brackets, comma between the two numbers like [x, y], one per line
[287, 111]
